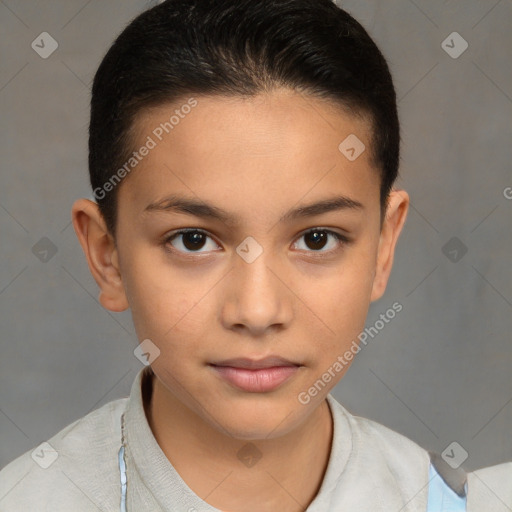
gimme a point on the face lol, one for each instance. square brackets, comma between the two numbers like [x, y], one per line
[260, 273]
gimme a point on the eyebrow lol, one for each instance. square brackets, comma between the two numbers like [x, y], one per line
[180, 204]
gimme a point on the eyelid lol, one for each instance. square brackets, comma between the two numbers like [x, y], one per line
[342, 236]
[168, 237]
[341, 239]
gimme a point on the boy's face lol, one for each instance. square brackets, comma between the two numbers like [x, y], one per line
[208, 299]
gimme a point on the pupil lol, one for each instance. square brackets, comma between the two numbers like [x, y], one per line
[193, 240]
[318, 238]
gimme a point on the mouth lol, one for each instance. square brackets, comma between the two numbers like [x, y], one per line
[256, 364]
[256, 375]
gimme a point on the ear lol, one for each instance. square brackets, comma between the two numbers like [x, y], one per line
[101, 253]
[396, 213]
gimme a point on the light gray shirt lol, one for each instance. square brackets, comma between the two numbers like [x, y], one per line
[371, 468]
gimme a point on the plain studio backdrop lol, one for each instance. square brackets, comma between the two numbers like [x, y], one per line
[439, 372]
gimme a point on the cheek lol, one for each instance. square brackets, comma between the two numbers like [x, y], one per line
[167, 308]
[153, 296]
[341, 300]
[170, 307]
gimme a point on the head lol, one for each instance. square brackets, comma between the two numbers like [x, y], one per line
[269, 131]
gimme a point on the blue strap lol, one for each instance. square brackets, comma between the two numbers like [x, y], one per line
[122, 470]
[441, 498]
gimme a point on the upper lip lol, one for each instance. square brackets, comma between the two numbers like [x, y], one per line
[255, 364]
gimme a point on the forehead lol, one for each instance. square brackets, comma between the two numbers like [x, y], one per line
[280, 146]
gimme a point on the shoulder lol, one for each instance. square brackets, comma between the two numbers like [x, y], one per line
[490, 489]
[383, 465]
[398, 450]
[384, 450]
[80, 462]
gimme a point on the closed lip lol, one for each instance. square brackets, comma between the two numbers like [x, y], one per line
[255, 364]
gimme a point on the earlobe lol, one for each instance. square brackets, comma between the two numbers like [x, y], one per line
[396, 213]
[101, 254]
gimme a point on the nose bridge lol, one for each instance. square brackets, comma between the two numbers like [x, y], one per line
[257, 297]
[254, 268]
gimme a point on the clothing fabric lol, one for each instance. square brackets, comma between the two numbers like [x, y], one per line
[441, 498]
[370, 468]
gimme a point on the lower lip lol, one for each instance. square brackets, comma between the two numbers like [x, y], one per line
[256, 381]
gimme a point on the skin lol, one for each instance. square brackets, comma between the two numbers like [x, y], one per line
[256, 158]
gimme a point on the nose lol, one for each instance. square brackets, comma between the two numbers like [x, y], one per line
[257, 298]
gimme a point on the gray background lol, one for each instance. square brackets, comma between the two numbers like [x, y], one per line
[439, 372]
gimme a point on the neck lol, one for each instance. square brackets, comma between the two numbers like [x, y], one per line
[204, 458]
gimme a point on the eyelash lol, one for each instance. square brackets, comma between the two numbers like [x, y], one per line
[342, 239]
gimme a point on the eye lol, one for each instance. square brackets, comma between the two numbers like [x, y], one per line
[191, 240]
[317, 238]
